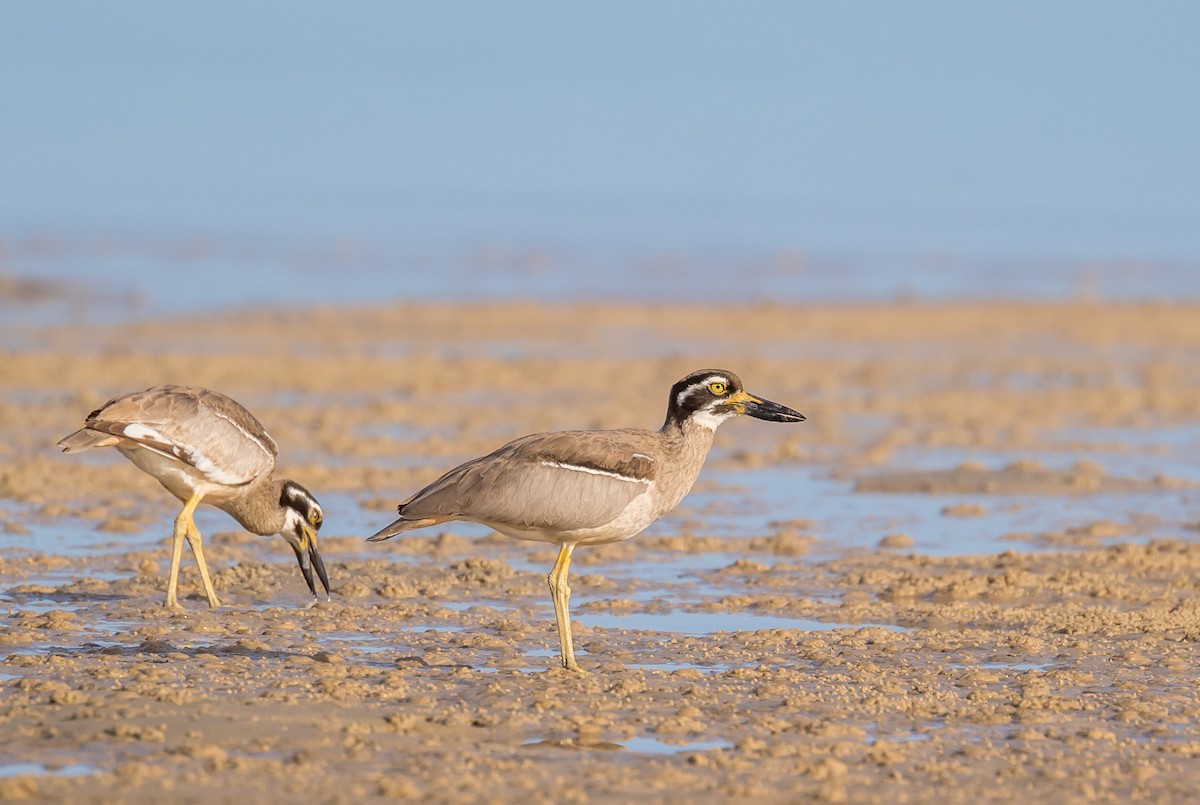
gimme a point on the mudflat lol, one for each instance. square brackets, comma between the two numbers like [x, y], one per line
[971, 575]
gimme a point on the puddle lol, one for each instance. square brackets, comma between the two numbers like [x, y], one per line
[699, 592]
[653, 746]
[641, 745]
[1003, 666]
[660, 567]
[910, 737]
[709, 668]
[553, 652]
[424, 628]
[463, 606]
[365, 644]
[704, 623]
[40, 769]
[1017, 666]
[30, 602]
[550, 655]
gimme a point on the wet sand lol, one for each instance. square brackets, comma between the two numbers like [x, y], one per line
[762, 662]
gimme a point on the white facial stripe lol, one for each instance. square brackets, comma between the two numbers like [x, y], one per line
[643, 456]
[701, 386]
[558, 465]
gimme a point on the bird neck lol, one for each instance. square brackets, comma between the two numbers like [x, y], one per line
[258, 511]
[687, 439]
[685, 446]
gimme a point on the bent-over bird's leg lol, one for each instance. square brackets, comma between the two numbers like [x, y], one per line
[182, 524]
[561, 594]
[193, 538]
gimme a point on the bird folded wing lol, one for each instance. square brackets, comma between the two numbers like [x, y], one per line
[530, 485]
[226, 445]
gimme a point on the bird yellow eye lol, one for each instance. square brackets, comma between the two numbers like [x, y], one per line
[314, 517]
[717, 388]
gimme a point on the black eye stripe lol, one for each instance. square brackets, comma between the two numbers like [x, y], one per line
[703, 386]
[694, 393]
[299, 499]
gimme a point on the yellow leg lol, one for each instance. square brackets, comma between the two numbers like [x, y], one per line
[182, 524]
[561, 594]
[193, 538]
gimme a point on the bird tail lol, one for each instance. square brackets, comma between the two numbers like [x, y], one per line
[402, 525]
[86, 439]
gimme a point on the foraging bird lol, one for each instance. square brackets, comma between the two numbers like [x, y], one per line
[588, 487]
[203, 446]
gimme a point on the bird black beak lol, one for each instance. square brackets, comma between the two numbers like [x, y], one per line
[305, 548]
[765, 409]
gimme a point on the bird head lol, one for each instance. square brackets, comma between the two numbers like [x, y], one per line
[711, 396]
[302, 521]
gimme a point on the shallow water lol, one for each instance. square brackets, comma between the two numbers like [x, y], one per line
[706, 623]
[731, 504]
[37, 769]
[1138, 452]
[654, 746]
[640, 745]
[240, 275]
[1015, 666]
[843, 519]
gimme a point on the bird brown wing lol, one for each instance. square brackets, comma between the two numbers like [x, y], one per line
[203, 428]
[561, 481]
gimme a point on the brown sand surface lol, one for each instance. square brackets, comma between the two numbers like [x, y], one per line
[1060, 666]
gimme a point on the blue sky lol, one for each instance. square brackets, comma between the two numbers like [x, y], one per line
[1030, 129]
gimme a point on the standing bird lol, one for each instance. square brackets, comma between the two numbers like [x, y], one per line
[203, 446]
[588, 487]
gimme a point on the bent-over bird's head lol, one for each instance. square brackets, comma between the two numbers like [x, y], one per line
[302, 521]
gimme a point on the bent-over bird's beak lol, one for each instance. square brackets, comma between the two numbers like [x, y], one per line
[305, 548]
[759, 408]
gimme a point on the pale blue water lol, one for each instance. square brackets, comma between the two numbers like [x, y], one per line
[128, 278]
[706, 623]
[167, 158]
[164, 281]
[647, 745]
[42, 769]
[641, 744]
[734, 504]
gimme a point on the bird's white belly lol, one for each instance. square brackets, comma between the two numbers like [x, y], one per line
[633, 519]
